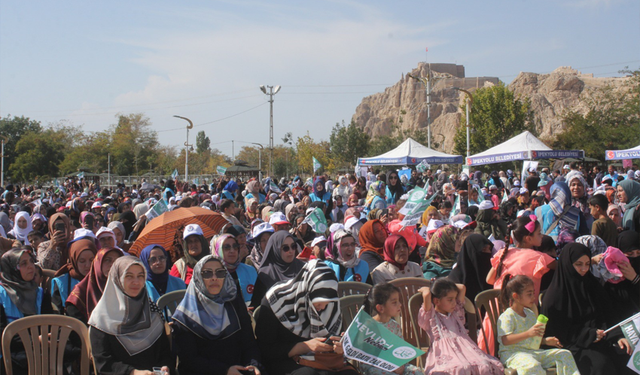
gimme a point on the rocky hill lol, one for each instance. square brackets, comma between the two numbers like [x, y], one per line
[404, 104]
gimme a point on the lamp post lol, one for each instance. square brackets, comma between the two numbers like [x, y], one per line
[186, 151]
[272, 91]
[469, 102]
[259, 160]
[426, 81]
[4, 140]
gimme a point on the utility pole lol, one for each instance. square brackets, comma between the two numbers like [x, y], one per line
[426, 81]
[469, 103]
[187, 145]
[272, 91]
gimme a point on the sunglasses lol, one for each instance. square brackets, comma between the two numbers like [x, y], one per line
[154, 260]
[209, 274]
[393, 177]
[287, 248]
[228, 247]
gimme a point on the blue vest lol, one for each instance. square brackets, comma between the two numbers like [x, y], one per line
[247, 276]
[326, 197]
[377, 201]
[358, 273]
[11, 310]
[64, 286]
[173, 283]
[548, 218]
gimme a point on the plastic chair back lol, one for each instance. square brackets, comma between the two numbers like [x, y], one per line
[169, 302]
[349, 307]
[349, 288]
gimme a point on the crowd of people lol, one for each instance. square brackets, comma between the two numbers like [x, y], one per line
[262, 294]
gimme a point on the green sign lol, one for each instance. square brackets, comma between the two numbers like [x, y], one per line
[221, 170]
[415, 206]
[316, 164]
[370, 342]
[158, 209]
[423, 166]
[317, 221]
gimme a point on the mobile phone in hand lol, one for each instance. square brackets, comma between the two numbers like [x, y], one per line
[247, 372]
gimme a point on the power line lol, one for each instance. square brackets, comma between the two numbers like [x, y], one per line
[214, 121]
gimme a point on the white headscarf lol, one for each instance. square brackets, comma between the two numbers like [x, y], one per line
[21, 234]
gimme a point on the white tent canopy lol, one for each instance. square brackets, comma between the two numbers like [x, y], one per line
[524, 146]
[411, 152]
[630, 153]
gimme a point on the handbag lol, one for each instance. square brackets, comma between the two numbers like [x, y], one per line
[327, 361]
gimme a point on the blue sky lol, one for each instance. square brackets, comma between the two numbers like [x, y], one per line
[84, 62]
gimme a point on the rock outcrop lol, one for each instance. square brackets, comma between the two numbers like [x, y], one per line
[404, 104]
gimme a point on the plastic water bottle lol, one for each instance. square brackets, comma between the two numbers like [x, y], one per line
[541, 320]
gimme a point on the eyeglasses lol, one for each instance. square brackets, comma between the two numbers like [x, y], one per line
[228, 247]
[348, 244]
[154, 260]
[287, 248]
[210, 274]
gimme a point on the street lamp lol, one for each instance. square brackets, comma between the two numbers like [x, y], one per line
[259, 160]
[186, 145]
[4, 140]
[272, 91]
[426, 81]
[469, 102]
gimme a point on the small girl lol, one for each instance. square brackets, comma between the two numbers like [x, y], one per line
[383, 303]
[452, 351]
[519, 333]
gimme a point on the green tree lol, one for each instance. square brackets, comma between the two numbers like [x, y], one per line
[90, 153]
[496, 115]
[14, 129]
[611, 122]
[38, 156]
[348, 143]
[132, 143]
[307, 148]
[202, 142]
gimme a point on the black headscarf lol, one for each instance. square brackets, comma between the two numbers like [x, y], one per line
[22, 293]
[396, 190]
[473, 265]
[273, 268]
[128, 219]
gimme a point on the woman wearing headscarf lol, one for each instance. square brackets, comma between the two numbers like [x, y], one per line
[252, 209]
[343, 189]
[441, 253]
[229, 191]
[372, 237]
[53, 254]
[196, 248]
[20, 296]
[21, 227]
[279, 263]
[320, 194]
[375, 196]
[579, 197]
[344, 261]
[296, 317]
[157, 262]
[629, 195]
[396, 263]
[5, 222]
[253, 191]
[128, 219]
[227, 249]
[394, 188]
[120, 232]
[212, 328]
[127, 330]
[473, 265]
[431, 213]
[560, 214]
[490, 223]
[85, 295]
[261, 234]
[81, 254]
[579, 311]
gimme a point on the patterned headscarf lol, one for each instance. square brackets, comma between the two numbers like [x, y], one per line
[375, 190]
[442, 248]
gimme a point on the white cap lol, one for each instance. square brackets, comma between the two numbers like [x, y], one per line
[516, 183]
[96, 205]
[485, 205]
[84, 195]
[79, 233]
[262, 228]
[524, 190]
[107, 231]
[434, 225]
[278, 218]
[68, 204]
[317, 240]
[532, 169]
[460, 224]
[190, 230]
[566, 166]
[335, 227]
[350, 222]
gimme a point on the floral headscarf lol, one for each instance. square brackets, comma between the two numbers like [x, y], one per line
[375, 190]
[442, 248]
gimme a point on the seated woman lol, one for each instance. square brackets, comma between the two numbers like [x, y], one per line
[53, 254]
[279, 263]
[227, 248]
[21, 227]
[396, 263]
[126, 329]
[81, 254]
[372, 236]
[212, 328]
[85, 295]
[195, 248]
[106, 238]
[473, 265]
[119, 231]
[344, 262]
[441, 253]
[156, 261]
[261, 234]
[20, 296]
[579, 311]
[296, 317]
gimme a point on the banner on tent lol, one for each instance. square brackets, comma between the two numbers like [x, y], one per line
[498, 158]
[622, 154]
[411, 160]
[557, 154]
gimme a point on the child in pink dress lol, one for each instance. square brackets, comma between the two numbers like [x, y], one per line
[442, 316]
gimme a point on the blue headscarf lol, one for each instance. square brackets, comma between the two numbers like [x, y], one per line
[319, 180]
[167, 193]
[159, 281]
[209, 316]
[231, 186]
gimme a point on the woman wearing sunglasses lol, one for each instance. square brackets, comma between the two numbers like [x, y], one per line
[344, 261]
[279, 263]
[226, 247]
[157, 262]
[212, 330]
